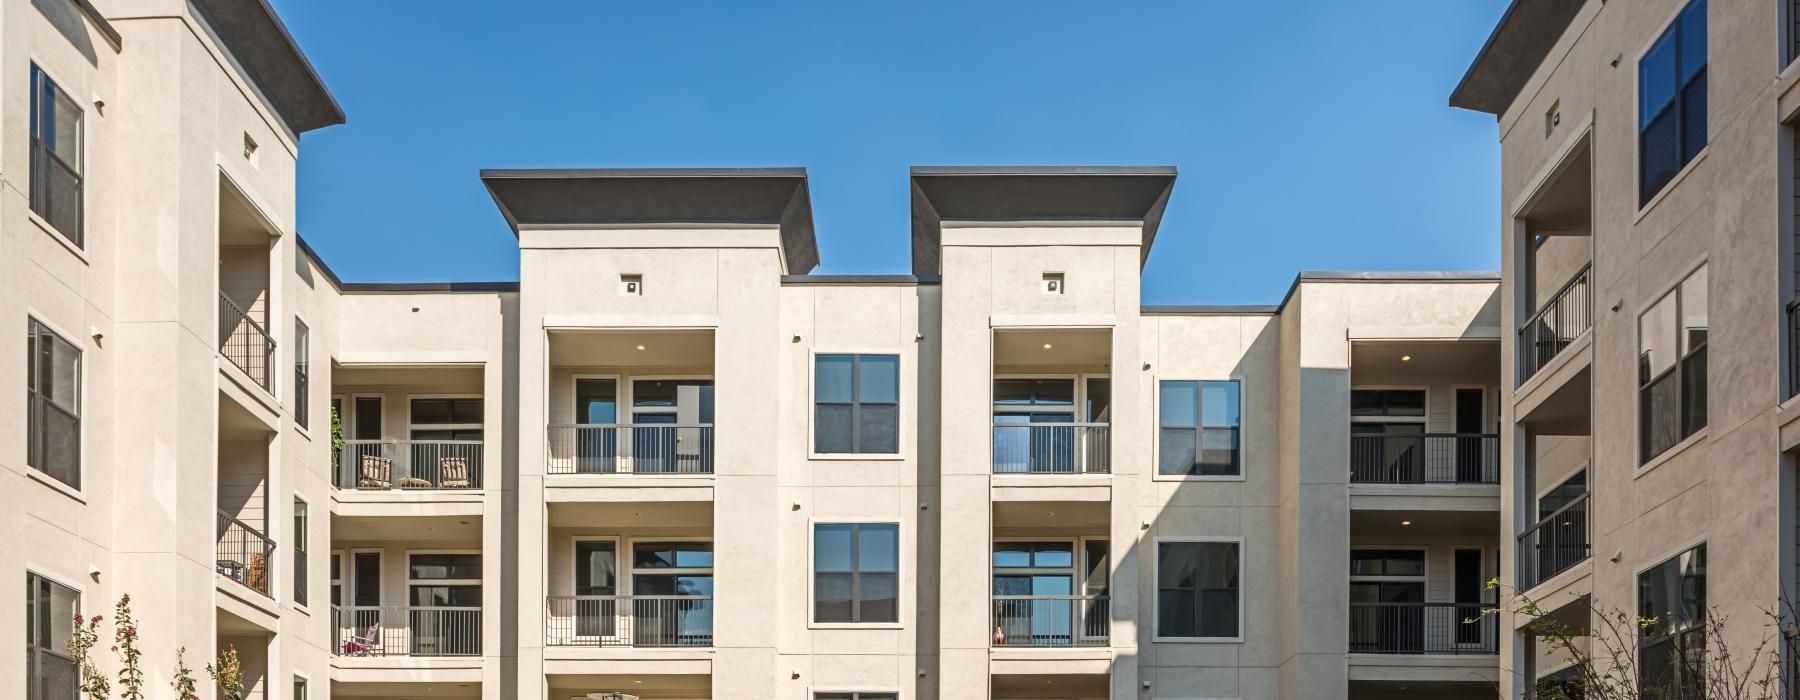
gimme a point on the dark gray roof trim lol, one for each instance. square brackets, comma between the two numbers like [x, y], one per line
[1208, 309]
[1033, 193]
[255, 35]
[318, 261]
[564, 198]
[862, 280]
[1524, 36]
[389, 287]
[1379, 277]
[106, 29]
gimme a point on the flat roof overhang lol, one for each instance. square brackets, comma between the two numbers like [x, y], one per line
[255, 35]
[1521, 40]
[651, 197]
[1033, 194]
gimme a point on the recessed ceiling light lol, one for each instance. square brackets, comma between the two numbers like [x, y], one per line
[1405, 523]
[1046, 346]
[1403, 358]
[640, 347]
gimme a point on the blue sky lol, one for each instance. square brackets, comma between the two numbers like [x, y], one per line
[1310, 135]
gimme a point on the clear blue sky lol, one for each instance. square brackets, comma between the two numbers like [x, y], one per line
[1310, 135]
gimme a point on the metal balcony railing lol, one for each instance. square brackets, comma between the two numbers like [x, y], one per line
[406, 630]
[1425, 458]
[630, 449]
[1568, 314]
[244, 341]
[1423, 628]
[1554, 544]
[1051, 621]
[379, 465]
[628, 621]
[244, 554]
[1052, 448]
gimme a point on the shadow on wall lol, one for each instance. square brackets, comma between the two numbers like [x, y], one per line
[68, 21]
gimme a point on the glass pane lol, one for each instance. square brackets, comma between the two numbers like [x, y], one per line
[832, 379]
[1179, 404]
[1053, 392]
[1012, 392]
[1054, 555]
[367, 568]
[663, 555]
[1407, 403]
[1218, 613]
[831, 597]
[653, 393]
[1656, 78]
[1094, 559]
[1012, 585]
[833, 547]
[65, 141]
[465, 410]
[878, 379]
[63, 602]
[1012, 555]
[880, 598]
[1175, 612]
[1219, 404]
[1693, 39]
[1177, 564]
[831, 429]
[1099, 401]
[1657, 346]
[1365, 402]
[878, 548]
[429, 411]
[368, 418]
[879, 432]
[1674, 592]
[1218, 564]
[596, 401]
[1659, 153]
[1177, 452]
[442, 566]
[596, 570]
[1693, 311]
[1218, 452]
[1693, 118]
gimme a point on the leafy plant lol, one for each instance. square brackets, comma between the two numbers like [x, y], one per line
[94, 683]
[186, 688]
[228, 674]
[125, 636]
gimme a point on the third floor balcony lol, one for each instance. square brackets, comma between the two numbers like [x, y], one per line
[630, 402]
[1052, 402]
[1425, 412]
[410, 429]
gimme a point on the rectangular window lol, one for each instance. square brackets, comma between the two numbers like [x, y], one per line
[856, 404]
[444, 592]
[299, 688]
[1197, 589]
[1672, 649]
[674, 585]
[445, 419]
[52, 405]
[1672, 367]
[855, 695]
[1672, 101]
[1200, 429]
[50, 674]
[56, 145]
[856, 572]
[302, 363]
[300, 539]
[366, 421]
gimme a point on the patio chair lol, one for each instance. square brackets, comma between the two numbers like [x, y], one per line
[455, 472]
[376, 472]
[365, 644]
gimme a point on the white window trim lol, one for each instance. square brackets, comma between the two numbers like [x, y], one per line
[412, 425]
[80, 251]
[350, 420]
[1490, 417]
[338, 581]
[1156, 425]
[1423, 420]
[428, 582]
[628, 564]
[902, 402]
[297, 538]
[33, 313]
[628, 390]
[1637, 437]
[1156, 599]
[1423, 578]
[349, 577]
[1637, 124]
[621, 397]
[902, 547]
[306, 429]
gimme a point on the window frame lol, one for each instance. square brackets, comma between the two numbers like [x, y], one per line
[626, 562]
[902, 448]
[413, 425]
[302, 686]
[77, 239]
[34, 322]
[1654, 562]
[860, 693]
[33, 577]
[1671, 29]
[302, 536]
[1243, 578]
[1243, 430]
[479, 582]
[1646, 462]
[627, 392]
[302, 374]
[900, 587]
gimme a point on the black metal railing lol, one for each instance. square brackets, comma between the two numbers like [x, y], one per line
[1423, 628]
[1051, 620]
[406, 630]
[1052, 448]
[1568, 314]
[628, 621]
[244, 554]
[1425, 458]
[378, 465]
[630, 449]
[1555, 543]
[244, 341]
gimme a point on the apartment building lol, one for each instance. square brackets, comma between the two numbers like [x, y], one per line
[671, 462]
[1648, 170]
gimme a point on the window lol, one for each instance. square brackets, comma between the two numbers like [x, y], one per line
[337, 579]
[1200, 429]
[856, 572]
[299, 688]
[49, 618]
[55, 156]
[302, 348]
[444, 419]
[300, 538]
[444, 591]
[52, 405]
[1672, 101]
[1672, 367]
[1387, 428]
[681, 573]
[856, 695]
[1672, 650]
[856, 404]
[1197, 589]
[1380, 578]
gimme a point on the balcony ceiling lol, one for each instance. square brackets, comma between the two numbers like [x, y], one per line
[1565, 204]
[619, 349]
[1385, 523]
[239, 222]
[1033, 687]
[464, 531]
[405, 691]
[1070, 348]
[646, 686]
[434, 378]
[1434, 359]
[1088, 517]
[693, 515]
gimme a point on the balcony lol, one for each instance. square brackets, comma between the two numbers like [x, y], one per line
[1052, 448]
[1051, 621]
[1555, 543]
[1568, 314]
[244, 554]
[245, 342]
[582, 448]
[380, 465]
[1425, 458]
[394, 630]
[643, 621]
[1422, 628]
